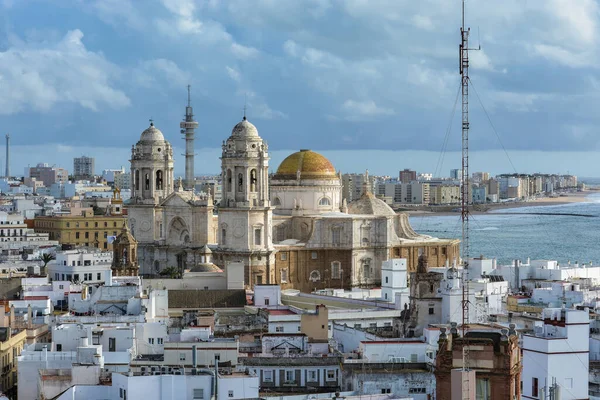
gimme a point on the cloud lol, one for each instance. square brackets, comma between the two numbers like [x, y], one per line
[258, 108]
[233, 73]
[150, 71]
[367, 108]
[422, 22]
[39, 76]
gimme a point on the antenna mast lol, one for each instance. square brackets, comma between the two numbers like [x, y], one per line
[464, 195]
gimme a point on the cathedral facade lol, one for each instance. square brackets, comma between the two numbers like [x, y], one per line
[294, 229]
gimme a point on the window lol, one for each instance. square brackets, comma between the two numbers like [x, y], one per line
[414, 358]
[279, 329]
[76, 235]
[482, 389]
[257, 236]
[160, 340]
[387, 324]
[336, 270]
[387, 280]
[99, 276]
[181, 356]
[568, 383]
[367, 269]
[87, 235]
[324, 202]
[313, 255]
[230, 393]
[267, 301]
[373, 325]
[59, 347]
[223, 236]
[534, 387]
[68, 224]
[95, 224]
[151, 340]
[76, 277]
[335, 236]
[284, 275]
[289, 376]
[416, 390]
[386, 390]
[87, 224]
[283, 256]
[330, 374]
[268, 376]
[431, 311]
[198, 394]
[218, 356]
[312, 376]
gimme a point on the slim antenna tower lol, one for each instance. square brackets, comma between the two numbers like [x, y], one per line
[464, 192]
[188, 127]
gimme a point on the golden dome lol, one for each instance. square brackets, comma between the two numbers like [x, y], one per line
[311, 165]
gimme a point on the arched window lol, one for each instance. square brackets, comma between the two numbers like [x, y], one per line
[229, 180]
[223, 236]
[240, 182]
[137, 179]
[159, 180]
[324, 201]
[277, 201]
[147, 181]
[253, 180]
[366, 269]
[336, 270]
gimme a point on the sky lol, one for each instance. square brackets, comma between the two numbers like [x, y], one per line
[372, 84]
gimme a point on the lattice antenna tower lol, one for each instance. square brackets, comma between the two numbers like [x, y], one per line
[464, 192]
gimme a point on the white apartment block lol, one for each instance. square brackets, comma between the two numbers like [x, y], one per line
[557, 353]
[81, 266]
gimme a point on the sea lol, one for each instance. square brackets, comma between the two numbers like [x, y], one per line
[566, 233]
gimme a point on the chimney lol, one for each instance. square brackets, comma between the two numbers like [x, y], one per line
[29, 316]
[11, 320]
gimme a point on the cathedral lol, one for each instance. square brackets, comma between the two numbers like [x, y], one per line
[293, 229]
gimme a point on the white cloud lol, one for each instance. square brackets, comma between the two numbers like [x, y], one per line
[243, 52]
[167, 70]
[40, 77]
[257, 107]
[422, 22]
[366, 108]
[563, 56]
[233, 73]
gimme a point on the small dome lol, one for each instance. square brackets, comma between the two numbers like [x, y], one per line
[152, 134]
[205, 267]
[244, 129]
[368, 204]
[310, 164]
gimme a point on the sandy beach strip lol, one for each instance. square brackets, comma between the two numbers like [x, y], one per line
[579, 197]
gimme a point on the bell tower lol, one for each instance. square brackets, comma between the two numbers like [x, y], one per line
[125, 254]
[245, 214]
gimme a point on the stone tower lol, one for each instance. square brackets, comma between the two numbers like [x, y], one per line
[245, 214]
[125, 254]
[152, 181]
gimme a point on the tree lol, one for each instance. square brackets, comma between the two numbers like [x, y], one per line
[46, 258]
[170, 272]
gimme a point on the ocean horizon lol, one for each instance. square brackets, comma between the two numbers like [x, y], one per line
[566, 233]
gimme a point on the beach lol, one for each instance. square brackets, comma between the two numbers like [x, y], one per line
[478, 209]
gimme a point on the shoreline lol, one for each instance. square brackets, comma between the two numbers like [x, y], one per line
[488, 208]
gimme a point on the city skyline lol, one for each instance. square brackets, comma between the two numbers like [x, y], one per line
[96, 72]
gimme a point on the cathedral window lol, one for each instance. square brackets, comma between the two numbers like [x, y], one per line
[277, 201]
[324, 202]
[257, 236]
[223, 236]
[284, 275]
[240, 182]
[159, 180]
[124, 262]
[253, 180]
[335, 235]
[147, 182]
[336, 270]
[366, 269]
[137, 180]
[229, 180]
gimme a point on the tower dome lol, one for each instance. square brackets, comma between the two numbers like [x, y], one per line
[244, 129]
[368, 204]
[152, 134]
[307, 164]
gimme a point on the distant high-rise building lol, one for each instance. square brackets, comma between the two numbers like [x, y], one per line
[83, 167]
[456, 173]
[352, 186]
[480, 177]
[407, 176]
[49, 175]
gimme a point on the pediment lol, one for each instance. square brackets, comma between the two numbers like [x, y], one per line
[176, 199]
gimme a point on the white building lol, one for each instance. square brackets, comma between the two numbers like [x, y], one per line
[557, 354]
[394, 280]
[81, 266]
